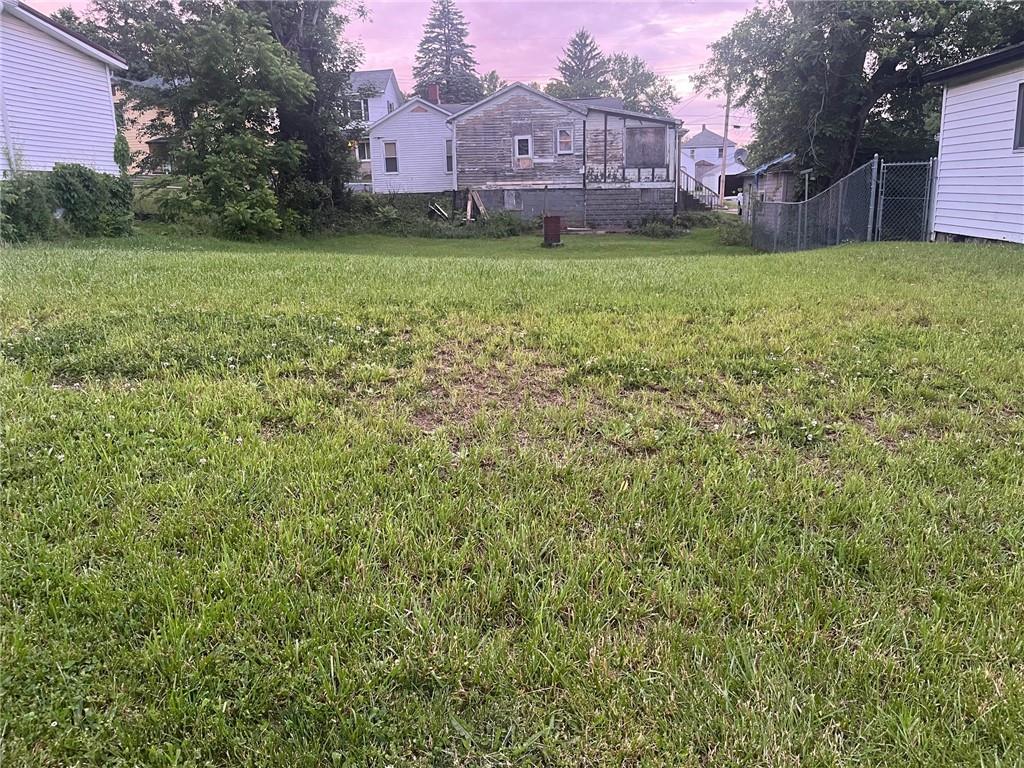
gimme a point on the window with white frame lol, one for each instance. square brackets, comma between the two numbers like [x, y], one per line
[358, 109]
[522, 146]
[448, 155]
[391, 107]
[363, 149]
[390, 157]
[563, 140]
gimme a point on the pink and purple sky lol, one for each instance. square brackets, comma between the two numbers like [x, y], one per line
[523, 39]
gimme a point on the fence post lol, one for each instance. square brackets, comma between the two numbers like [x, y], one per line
[839, 211]
[926, 223]
[871, 203]
[881, 201]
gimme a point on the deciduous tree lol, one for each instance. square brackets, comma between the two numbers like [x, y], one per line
[640, 89]
[492, 82]
[822, 77]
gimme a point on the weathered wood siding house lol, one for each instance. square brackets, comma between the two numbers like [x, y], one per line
[588, 160]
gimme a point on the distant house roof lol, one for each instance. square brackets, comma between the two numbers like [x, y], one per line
[581, 106]
[412, 104]
[705, 138]
[1007, 55]
[372, 80]
[778, 164]
[58, 31]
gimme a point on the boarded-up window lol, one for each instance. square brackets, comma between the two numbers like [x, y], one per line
[645, 147]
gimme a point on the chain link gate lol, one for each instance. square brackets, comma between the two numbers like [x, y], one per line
[904, 201]
[877, 201]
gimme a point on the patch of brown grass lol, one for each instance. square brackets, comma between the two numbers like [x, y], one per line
[461, 382]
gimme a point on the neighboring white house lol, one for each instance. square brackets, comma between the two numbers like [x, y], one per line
[979, 176]
[701, 157]
[375, 94]
[56, 102]
[411, 149]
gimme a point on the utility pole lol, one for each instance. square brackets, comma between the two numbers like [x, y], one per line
[725, 147]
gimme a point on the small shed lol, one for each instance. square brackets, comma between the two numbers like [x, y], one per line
[773, 182]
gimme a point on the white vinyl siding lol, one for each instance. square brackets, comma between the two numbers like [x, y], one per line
[421, 132]
[979, 190]
[57, 102]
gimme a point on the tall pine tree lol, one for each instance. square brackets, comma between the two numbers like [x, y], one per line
[445, 57]
[583, 69]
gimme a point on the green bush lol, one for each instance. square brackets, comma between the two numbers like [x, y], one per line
[734, 231]
[86, 203]
[406, 216]
[92, 203]
[698, 219]
[26, 208]
[660, 230]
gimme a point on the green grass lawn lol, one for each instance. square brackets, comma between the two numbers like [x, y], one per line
[382, 502]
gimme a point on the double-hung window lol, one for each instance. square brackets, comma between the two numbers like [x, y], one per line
[363, 149]
[390, 157]
[522, 147]
[448, 155]
[563, 140]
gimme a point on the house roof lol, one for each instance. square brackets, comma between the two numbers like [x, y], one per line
[519, 86]
[608, 102]
[705, 138]
[783, 160]
[582, 106]
[58, 31]
[638, 115]
[978, 64]
[372, 79]
[444, 109]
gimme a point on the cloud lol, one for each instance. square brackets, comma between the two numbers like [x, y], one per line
[522, 39]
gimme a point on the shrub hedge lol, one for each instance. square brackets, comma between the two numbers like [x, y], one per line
[70, 198]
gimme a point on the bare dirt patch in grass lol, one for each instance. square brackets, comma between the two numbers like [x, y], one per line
[461, 381]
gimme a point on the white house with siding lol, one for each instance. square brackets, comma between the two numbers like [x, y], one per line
[700, 156]
[979, 177]
[411, 148]
[56, 103]
[374, 95]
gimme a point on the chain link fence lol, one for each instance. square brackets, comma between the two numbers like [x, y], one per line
[904, 202]
[877, 201]
[840, 214]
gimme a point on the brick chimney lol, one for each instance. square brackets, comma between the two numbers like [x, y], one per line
[434, 93]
